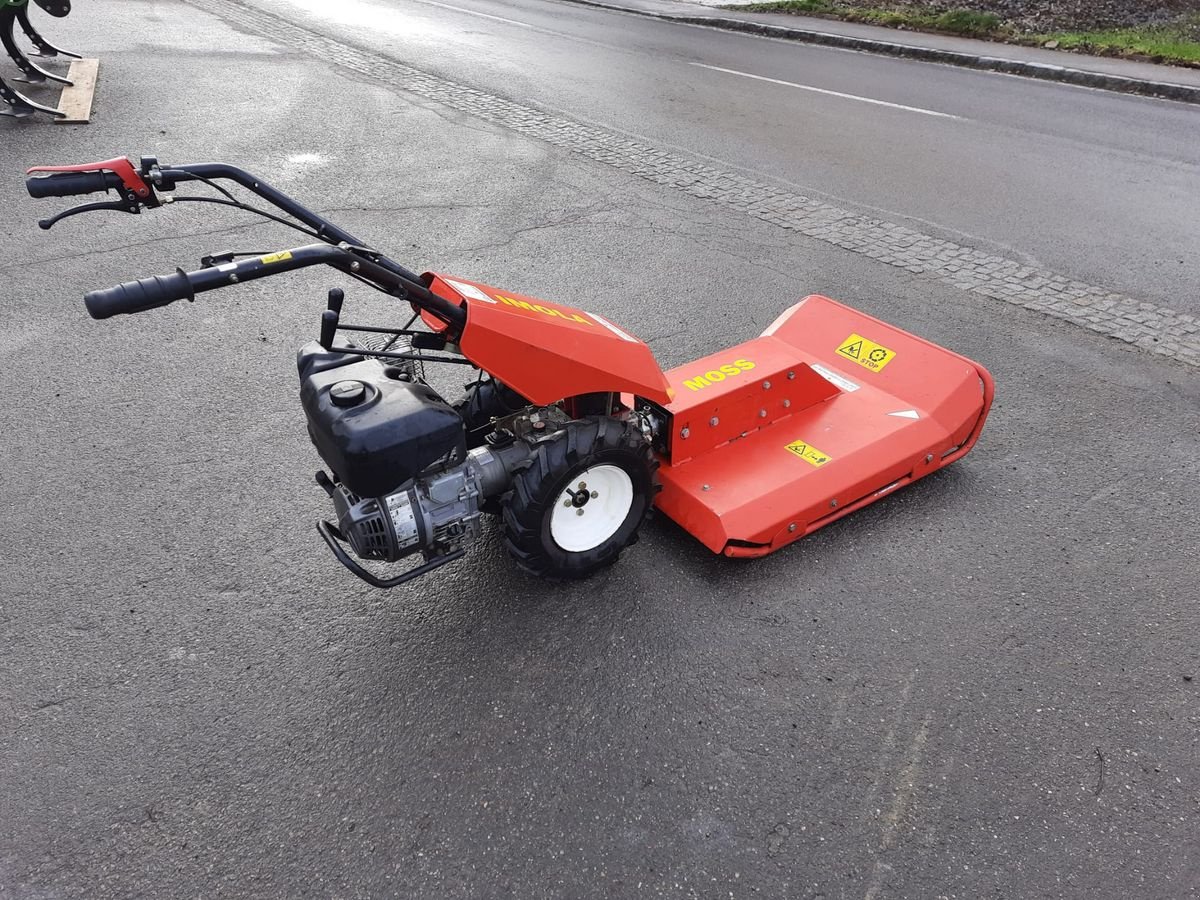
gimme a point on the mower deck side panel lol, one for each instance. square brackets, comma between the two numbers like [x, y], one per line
[734, 393]
[899, 409]
[546, 351]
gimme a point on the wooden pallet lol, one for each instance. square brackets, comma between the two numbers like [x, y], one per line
[76, 100]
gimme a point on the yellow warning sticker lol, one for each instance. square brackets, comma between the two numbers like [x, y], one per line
[808, 453]
[866, 353]
[275, 257]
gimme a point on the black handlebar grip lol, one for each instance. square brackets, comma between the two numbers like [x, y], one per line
[136, 296]
[68, 184]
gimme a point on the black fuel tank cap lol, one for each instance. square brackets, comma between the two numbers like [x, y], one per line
[347, 393]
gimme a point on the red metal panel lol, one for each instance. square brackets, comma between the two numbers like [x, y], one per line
[734, 393]
[903, 408]
[546, 351]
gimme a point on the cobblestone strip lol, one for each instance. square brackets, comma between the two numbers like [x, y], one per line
[1159, 330]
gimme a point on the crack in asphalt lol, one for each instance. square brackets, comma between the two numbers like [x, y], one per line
[581, 217]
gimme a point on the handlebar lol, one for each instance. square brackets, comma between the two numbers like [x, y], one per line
[70, 184]
[137, 184]
[149, 293]
[138, 296]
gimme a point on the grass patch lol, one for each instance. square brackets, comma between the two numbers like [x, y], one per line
[796, 7]
[1176, 43]
[967, 22]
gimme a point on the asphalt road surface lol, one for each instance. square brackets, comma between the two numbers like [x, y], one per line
[1096, 185]
[984, 686]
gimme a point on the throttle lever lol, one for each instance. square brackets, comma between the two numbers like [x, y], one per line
[216, 259]
[129, 206]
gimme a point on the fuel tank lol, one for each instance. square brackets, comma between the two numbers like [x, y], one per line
[374, 429]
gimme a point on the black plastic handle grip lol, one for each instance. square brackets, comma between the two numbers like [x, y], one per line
[69, 184]
[136, 296]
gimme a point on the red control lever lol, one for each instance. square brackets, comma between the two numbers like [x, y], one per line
[122, 166]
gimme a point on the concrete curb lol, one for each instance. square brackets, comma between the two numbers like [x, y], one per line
[1118, 83]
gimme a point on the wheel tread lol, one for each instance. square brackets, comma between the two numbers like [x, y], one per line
[580, 444]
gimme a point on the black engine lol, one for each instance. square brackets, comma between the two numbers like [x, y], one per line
[404, 480]
[374, 425]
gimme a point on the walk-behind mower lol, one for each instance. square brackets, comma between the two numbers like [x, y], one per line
[570, 431]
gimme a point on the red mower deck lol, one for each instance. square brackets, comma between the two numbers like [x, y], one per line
[828, 411]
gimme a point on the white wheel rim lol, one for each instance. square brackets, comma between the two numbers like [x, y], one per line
[592, 508]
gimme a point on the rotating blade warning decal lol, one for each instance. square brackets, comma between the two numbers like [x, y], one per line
[808, 453]
[866, 353]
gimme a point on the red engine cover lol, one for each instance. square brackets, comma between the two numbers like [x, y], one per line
[546, 351]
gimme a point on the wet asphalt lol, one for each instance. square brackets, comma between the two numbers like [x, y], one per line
[1091, 184]
[985, 686]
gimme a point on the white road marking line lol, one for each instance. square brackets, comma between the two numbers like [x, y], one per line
[817, 90]
[471, 12]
